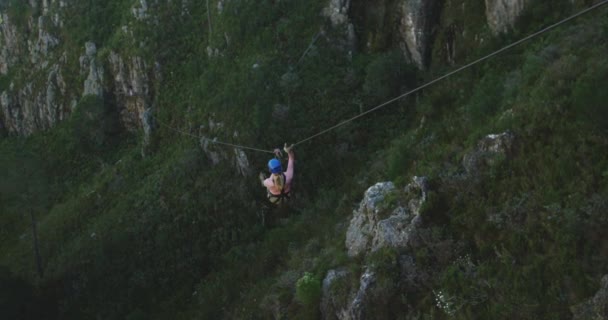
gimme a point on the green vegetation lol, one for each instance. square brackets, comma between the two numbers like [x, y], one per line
[173, 235]
[308, 290]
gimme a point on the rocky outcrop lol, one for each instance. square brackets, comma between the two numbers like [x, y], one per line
[10, 45]
[349, 302]
[39, 48]
[357, 308]
[220, 154]
[362, 225]
[93, 85]
[407, 24]
[595, 308]
[368, 298]
[417, 18]
[241, 163]
[387, 218]
[131, 89]
[33, 42]
[36, 106]
[502, 14]
[377, 224]
[140, 12]
[41, 102]
[337, 12]
[333, 304]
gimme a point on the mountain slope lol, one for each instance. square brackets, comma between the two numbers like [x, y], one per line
[108, 173]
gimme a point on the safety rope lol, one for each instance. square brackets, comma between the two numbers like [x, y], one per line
[553, 26]
[514, 44]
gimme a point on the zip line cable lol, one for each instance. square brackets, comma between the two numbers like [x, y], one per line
[212, 140]
[314, 39]
[553, 26]
[449, 74]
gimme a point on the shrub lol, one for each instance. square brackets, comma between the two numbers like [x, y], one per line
[92, 123]
[386, 76]
[589, 102]
[400, 157]
[486, 99]
[18, 12]
[308, 290]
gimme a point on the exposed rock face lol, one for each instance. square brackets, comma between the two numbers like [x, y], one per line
[352, 307]
[10, 47]
[359, 304]
[141, 12]
[415, 28]
[386, 218]
[88, 64]
[131, 89]
[502, 14]
[40, 47]
[365, 219]
[595, 308]
[344, 300]
[375, 225]
[241, 162]
[219, 154]
[148, 125]
[419, 188]
[407, 24]
[337, 13]
[35, 106]
[41, 102]
[39, 105]
[332, 305]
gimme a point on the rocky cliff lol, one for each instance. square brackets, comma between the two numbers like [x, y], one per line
[44, 73]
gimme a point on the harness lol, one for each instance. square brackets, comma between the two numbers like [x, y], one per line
[279, 198]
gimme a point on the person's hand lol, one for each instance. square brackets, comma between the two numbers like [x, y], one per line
[277, 152]
[262, 177]
[288, 149]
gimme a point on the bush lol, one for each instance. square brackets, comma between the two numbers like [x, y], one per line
[387, 76]
[308, 290]
[93, 124]
[486, 99]
[18, 12]
[590, 103]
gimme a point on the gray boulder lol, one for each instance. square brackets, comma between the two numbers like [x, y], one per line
[378, 224]
[363, 224]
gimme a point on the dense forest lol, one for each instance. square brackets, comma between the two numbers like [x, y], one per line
[481, 196]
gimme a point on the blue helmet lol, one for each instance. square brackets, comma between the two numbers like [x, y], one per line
[274, 166]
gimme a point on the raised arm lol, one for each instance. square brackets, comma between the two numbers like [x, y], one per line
[290, 163]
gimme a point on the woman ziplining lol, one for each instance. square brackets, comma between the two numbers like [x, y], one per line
[278, 185]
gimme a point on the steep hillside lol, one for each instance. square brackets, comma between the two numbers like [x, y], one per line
[483, 196]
